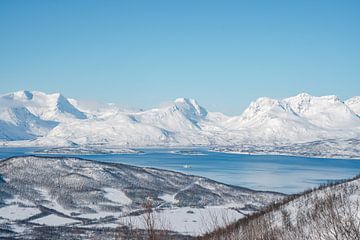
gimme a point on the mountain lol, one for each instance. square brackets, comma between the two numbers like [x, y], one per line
[26, 115]
[53, 107]
[39, 195]
[182, 113]
[327, 112]
[269, 120]
[302, 118]
[53, 120]
[177, 123]
[18, 123]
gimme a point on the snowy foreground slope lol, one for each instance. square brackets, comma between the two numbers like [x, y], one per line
[330, 212]
[51, 120]
[73, 199]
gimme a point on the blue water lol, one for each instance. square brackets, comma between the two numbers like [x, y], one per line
[273, 173]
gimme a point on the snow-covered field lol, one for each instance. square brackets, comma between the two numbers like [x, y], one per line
[189, 220]
[39, 119]
[54, 220]
[117, 196]
[16, 212]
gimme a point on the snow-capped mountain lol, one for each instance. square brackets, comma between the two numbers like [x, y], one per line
[53, 120]
[273, 120]
[301, 118]
[354, 104]
[327, 111]
[53, 107]
[18, 123]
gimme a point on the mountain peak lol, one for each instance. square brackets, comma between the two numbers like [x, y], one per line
[48, 106]
[26, 94]
[190, 107]
[303, 95]
[332, 98]
[20, 95]
[265, 101]
[264, 106]
[307, 97]
[190, 101]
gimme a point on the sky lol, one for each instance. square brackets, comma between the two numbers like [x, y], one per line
[224, 54]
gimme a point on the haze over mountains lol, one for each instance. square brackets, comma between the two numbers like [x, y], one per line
[40, 119]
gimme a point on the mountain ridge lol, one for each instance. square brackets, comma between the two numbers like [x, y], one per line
[54, 120]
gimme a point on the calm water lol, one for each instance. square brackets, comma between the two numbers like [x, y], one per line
[274, 173]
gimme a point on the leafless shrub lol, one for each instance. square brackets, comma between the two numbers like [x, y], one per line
[154, 227]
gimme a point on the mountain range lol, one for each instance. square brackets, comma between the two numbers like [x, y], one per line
[34, 118]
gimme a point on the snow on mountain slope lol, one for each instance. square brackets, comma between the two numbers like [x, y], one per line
[119, 130]
[174, 124]
[183, 122]
[183, 114]
[53, 107]
[17, 123]
[94, 109]
[271, 111]
[157, 127]
[354, 104]
[297, 119]
[326, 111]
[270, 119]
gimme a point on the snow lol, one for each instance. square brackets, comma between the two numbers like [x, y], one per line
[54, 220]
[97, 215]
[354, 104]
[17, 200]
[313, 215]
[188, 220]
[117, 196]
[15, 212]
[40, 119]
[46, 106]
[326, 111]
[53, 204]
[169, 198]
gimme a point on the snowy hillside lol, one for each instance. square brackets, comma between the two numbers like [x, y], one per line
[53, 120]
[39, 194]
[329, 213]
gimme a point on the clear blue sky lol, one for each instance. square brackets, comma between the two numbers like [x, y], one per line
[141, 53]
